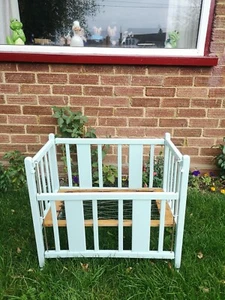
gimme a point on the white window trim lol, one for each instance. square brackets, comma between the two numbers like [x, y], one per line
[147, 52]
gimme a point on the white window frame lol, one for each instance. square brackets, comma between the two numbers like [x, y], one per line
[137, 52]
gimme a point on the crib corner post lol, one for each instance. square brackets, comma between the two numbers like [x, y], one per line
[182, 210]
[37, 222]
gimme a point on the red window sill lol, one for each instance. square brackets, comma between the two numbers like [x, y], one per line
[205, 61]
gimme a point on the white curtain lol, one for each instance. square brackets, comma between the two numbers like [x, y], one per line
[8, 9]
[183, 16]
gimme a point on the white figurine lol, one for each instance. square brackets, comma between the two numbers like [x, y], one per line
[77, 40]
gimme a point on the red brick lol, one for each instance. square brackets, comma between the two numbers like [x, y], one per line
[53, 100]
[219, 21]
[209, 151]
[128, 91]
[222, 124]
[21, 99]
[31, 67]
[178, 141]
[214, 132]
[129, 112]
[130, 70]
[173, 122]
[203, 123]
[210, 81]
[114, 101]
[206, 103]
[34, 129]
[67, 90]
[201, 162]
[10, 147]
[105, 132]
[35, 89]
[98, 69]
[219, 34]
[10, 109]
[160, 92]
[192, 92]
[115, 80]
[217, 92]
[191, 113]
[160, 112]
[98, 111]
[52, 78]
[175, 102]
[216, 113]
[116, 122]
[189, 150]
[34, 148]
[194, 71]
[24, 139]
[157, 132]
[164, 70]
[203, 142]
[7, 66]
[143, 122]
[178, 81]
[145, 102]
[217, 47]
[12, 129]
[22, 119]
[3, 119]
[147, 80]
[187, 132]
[1, 77]
[5, 139]
[219, 70]
[47, 120]
[19, 78]
[130, 132]
[66, 68]
[97, 91]
[83, 79]
[84, 101]
[9, 88]
[37, 110]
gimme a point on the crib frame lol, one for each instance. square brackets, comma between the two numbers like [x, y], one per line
[46, 193]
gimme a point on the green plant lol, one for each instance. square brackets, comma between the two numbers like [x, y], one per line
[12, 176]
[72, 124]
[158, 171]
[220, 158]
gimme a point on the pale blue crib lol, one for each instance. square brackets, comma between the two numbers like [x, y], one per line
[80, 232]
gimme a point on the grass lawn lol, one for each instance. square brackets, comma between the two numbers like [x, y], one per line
[202, 273]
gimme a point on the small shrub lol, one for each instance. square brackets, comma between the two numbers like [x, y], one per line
[12, 176]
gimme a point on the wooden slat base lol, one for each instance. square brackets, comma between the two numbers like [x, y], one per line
[169, 221]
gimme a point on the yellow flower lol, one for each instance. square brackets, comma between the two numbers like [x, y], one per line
[213, 188]
[222, 191]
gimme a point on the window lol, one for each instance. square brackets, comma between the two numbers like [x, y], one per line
[110, 28]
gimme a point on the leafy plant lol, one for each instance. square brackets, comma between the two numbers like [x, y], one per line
[158, 171]
[72, 124]
[220, 158]
[12, 176]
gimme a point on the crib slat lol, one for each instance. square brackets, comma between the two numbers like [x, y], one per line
[84, 165]
[135, 166]
[140, 225]
[68, 165]
[95, 224]
[161, 225]
[119, 162]
[55, 226]
[151, 166]
[100, 174]
[120, 225]
[75, 225]
[48, 174]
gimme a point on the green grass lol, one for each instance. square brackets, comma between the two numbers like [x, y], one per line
[201, 276]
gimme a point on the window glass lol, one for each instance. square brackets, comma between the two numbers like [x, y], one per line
[101, 23]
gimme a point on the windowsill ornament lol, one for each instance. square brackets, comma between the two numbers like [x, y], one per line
[18, 36]
[78, 37]
[173, 37]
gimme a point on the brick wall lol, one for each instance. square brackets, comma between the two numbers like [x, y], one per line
[121, 101]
